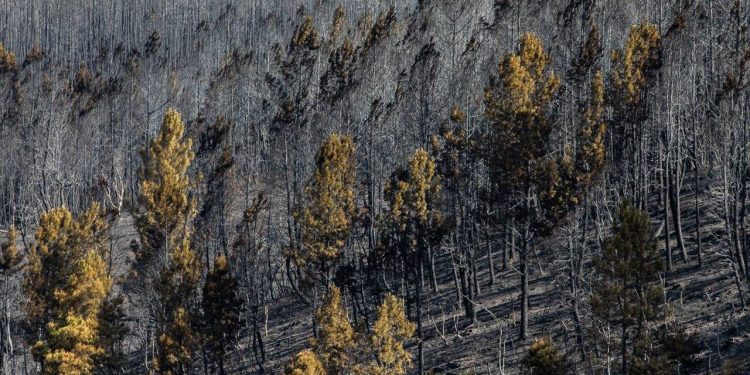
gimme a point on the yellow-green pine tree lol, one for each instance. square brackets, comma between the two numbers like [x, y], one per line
[339, 349]
[413, 223]
[389, 333]
[306, 35]
[176, 344]
[165, 186]
[7, 60]
[326, 218]
[73, 344]
[337, 339]
[517, 101]
[636, 61]
[590, 153]
[10, 258]
[305, 363]
[164, 227]
[517, 104]
[564, 181]
[411, 197]
[543, 358]
[633, 72]
[66, 283]
[179, 279]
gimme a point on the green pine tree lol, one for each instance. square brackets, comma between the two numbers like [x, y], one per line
[222, 313]
[626, 290]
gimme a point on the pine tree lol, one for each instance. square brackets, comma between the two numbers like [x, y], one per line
[7, 60]
[222, 309]
[112, 332]
[216, 168]
[336, 341]
[413, 223]
[389, 333]
[340, 349]
[167, 211]
[638, 60]
[588, 54]
[518, 107]
[175, 344]
[326, 219]
[591, 152]
[10, 258]
[455, 165]
[179, 280]
[66, 283]
[73, 343]
[338, 25]
[626, 288]
[293, 84]
[35, 54]
[305, 363]
[632, 75]
[340, 77]
[167, 207]
[544, 358]
[306, 35]
[411, 192]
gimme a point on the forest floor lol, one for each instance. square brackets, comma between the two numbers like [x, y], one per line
[702, 300]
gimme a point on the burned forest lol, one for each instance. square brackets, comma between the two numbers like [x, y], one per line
[334, 187]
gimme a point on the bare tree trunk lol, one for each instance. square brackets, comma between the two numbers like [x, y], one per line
[696, 197]
[456, 271]
[490, 263]
[474, 254]
[729, 215]
[674, 202]
[665, 191]
[433, 273]
[524, 283]
[420, 332]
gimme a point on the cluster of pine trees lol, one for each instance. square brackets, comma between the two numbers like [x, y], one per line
[73, 314]
[74, 318]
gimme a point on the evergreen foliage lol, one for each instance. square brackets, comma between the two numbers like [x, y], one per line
[543, 358]
[7, 60]
[66, 283]
[326, 219]
[446, 135]
[164, 225]
[638, 60]
[626, 289]
[222, 313]
[305, 363]
[518, 101]
[112, 332]
[167, 207]
[340, 349]
[10, 258]
[390, 331]
[336, 339]
[591, 151]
